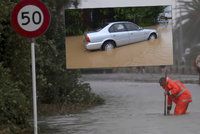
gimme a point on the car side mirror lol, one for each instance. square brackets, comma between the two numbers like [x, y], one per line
[140, 28]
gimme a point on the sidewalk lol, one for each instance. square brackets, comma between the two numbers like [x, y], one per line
[138, 77]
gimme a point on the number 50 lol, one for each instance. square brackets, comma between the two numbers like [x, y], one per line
[36, 18]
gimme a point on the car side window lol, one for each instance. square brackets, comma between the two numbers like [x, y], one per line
[117, 28]
[131, 26]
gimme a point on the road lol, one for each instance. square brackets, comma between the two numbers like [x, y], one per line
[146, 53]
[131, 108]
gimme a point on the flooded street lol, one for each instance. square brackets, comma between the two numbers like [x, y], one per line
[153, 52]
[131, 108]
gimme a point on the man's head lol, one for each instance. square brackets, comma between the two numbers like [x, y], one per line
[163, 81]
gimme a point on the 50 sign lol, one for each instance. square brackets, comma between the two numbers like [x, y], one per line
[26, 15]
[30, 18]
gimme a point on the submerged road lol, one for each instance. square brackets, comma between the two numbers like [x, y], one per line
[145, 53]
[131, 108]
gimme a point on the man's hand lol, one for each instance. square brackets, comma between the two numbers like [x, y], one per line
[169, 109]
[168, 112]
[166, 93]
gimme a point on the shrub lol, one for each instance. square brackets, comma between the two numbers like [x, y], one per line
[13, 103]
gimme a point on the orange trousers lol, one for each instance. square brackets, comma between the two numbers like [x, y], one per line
[181, 108]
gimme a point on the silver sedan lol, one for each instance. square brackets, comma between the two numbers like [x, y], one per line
[117, 34]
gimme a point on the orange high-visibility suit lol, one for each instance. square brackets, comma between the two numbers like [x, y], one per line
[178, 94]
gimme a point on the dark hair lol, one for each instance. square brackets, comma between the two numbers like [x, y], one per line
[162, 81]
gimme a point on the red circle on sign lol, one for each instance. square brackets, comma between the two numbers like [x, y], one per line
[41, 29]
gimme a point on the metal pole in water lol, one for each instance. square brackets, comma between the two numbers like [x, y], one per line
[34, 86]
[165, 96]
[165, 109]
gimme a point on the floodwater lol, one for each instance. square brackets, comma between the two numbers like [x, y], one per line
[157, 52]
[130, 108]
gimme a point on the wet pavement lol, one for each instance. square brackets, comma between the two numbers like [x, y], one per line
[130, 108]
[156, 52]
[141, 77]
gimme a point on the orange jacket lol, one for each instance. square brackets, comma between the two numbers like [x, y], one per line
[178, 92]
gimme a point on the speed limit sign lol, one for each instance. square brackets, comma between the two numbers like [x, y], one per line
[30, 18]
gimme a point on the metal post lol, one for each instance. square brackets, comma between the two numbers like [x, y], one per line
[180, 37]
[34, 86]
[165, 106]
[165, 96]
[199, 76]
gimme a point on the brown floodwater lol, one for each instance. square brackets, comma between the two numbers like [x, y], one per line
[146, 53]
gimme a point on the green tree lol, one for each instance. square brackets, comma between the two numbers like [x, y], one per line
[80, 20]
[73, 22]
[13, 104]
[14, 50]
[55, 84]
[143, 16]
[14, 75]
[58, 84]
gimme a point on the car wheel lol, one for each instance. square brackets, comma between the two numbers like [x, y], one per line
[152, 37]
[193, 57]
[108, 45]
[197, 61]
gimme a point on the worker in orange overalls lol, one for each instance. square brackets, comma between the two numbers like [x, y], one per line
[176, 92]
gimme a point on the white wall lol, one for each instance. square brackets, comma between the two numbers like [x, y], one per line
[122, 3]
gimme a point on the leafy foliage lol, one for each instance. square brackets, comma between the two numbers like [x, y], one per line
[73, 21]
[143, 16]
[15, 52]
[55, 84]
[14, 75]
[80, 20]
[13, 103]
[58, 85]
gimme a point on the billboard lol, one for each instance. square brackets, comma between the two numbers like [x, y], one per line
[118, 35]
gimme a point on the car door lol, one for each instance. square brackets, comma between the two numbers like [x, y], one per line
[136, 33]
[119, 34]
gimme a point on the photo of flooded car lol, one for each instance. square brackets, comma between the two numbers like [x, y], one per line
[117, 37]
[117, 34]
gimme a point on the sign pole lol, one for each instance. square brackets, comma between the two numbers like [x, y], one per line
[165, 96]
[165, 107]
[31, 18]
[34, 86]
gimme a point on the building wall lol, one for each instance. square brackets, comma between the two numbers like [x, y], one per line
[122, 3]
